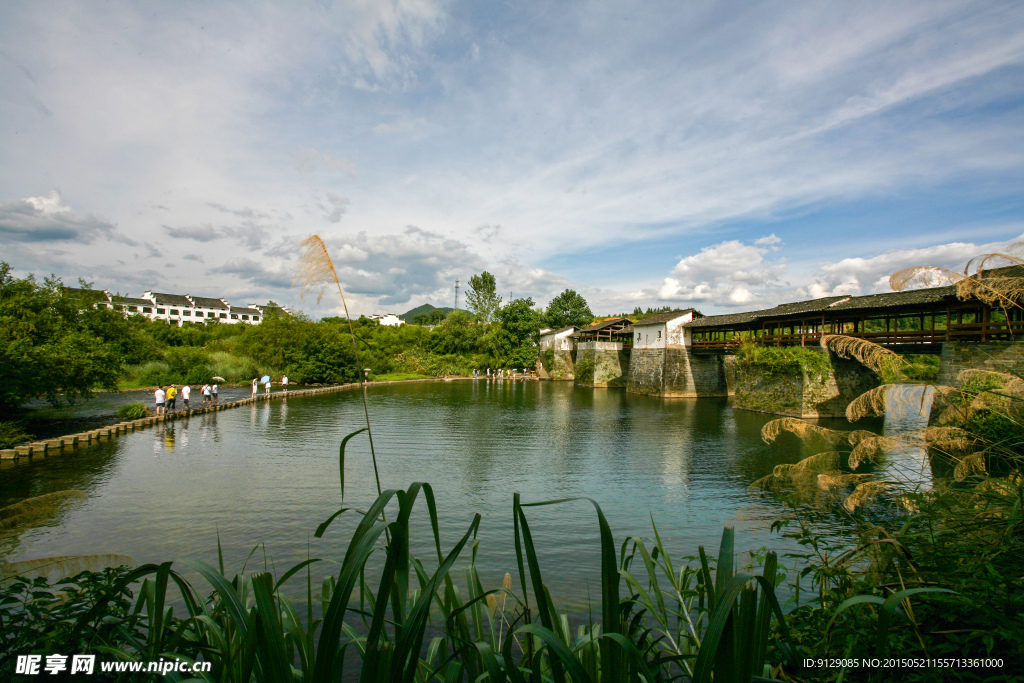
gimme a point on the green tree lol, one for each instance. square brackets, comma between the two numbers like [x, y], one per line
[326, 356]
[457, 335]
[515, 343]
[568, 308]
[482, 297]
[53, 343]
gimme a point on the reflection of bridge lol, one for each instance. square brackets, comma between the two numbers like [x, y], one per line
[916, 321]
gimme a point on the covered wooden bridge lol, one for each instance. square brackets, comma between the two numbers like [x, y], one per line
[915, 321]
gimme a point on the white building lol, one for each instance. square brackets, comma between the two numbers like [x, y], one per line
[663, 330]
[387, 319]
[556, 340]
[208, 309]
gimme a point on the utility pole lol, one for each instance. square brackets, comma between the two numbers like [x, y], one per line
[456, 294]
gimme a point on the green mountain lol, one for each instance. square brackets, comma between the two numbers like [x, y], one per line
[425, 308]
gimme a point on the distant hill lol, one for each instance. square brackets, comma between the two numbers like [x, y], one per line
[425, 308]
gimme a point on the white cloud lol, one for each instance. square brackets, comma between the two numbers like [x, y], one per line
[724, 274]
[312, 161]
[859, 275]
[48, 218]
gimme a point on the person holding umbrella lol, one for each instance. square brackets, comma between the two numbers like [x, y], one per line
[266, 383]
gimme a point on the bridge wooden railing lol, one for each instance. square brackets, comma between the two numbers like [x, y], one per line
[1000, 331]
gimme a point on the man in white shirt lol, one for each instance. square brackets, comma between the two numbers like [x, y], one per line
[284, 383]
[160, 398]
[205, 391]
[186, 391]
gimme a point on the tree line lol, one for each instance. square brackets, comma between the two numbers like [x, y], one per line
[54, 344]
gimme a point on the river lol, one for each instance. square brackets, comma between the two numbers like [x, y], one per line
[268, 474]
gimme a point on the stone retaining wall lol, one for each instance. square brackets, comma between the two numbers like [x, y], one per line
[609, 360]
[803, 394]
[998, 356]
[673, 372]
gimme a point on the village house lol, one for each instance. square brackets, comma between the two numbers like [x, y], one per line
[208, 309]
[387, 319]
[664, 330]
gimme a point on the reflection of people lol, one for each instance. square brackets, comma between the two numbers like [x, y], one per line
[186, 391]
[284, 383]
[159, 396]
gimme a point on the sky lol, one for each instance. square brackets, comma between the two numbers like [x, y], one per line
[723, 155]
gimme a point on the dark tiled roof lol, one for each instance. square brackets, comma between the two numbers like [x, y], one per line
[913, 297]
[824, 305]
[131, 301]
[625, 331]
[244, 311]
[208, 302]
[604, 324]
[172, 299]
[666, 316]
[597, 327]
[724, 320]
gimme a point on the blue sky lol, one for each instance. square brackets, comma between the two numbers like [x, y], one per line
[727, 156]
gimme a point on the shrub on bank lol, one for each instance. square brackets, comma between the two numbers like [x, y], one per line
[11, 435]
[133, 411]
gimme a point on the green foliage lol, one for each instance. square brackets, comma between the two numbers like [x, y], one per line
[515, 343]
[133, 411]
[11, 435]
[325, 356]
[457, 334]
[36, 617]
[54, 345]
[482, 297]
[568, 308]
[922, 367]
[583, 371]
[782, 361]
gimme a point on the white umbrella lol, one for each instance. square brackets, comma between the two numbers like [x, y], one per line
[219, 379]
[264, 379]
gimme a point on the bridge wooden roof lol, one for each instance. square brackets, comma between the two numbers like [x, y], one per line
[611, 325]
[830, 306]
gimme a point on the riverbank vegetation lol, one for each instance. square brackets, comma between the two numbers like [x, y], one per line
[55, 345]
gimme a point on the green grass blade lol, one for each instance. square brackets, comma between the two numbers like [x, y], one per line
[341, 459]
[271, 650]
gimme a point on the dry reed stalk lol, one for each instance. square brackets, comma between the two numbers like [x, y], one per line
[923, 276]
[869, 448]
[869, 354]
[869, 404]
[972, 464]
[801, 429]
[827, 481]
[821, 462]
[865, 492]
[315, 268]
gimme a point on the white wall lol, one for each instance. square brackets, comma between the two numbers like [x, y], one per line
[660, 335]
